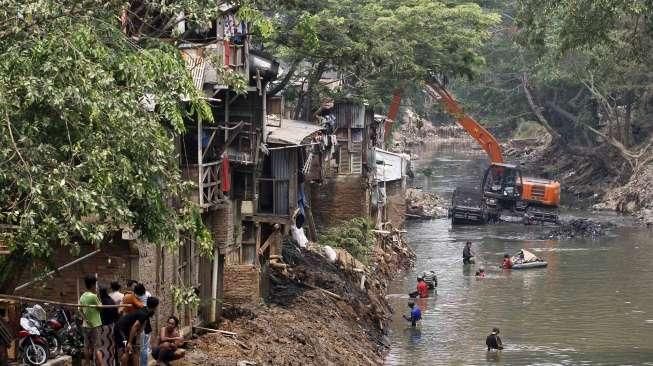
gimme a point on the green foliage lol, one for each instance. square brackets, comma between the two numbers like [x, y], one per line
[184, 297]
[80, 156]
[236, 81]
[355, 236]
[379, 44]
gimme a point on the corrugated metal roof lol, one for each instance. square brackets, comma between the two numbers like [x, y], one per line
[291, 132]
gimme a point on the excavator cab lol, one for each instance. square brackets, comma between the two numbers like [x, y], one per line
[502, 188]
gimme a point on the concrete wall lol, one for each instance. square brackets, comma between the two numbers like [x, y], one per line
[338, 199]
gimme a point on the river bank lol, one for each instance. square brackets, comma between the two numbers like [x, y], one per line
[587, 182]
[319, 312]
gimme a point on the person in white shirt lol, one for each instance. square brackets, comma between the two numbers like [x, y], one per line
[115, 293]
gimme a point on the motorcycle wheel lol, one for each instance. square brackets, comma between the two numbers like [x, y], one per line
[35, 354]
[54, 345]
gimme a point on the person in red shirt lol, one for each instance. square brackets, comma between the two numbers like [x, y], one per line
[507, 263]
[422, 288]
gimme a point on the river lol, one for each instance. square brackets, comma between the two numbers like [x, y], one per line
[592, 305]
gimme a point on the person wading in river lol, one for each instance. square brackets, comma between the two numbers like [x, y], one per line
[507, 263]
[468, 254]
[493, 342]
[422, 288]
[415, 314]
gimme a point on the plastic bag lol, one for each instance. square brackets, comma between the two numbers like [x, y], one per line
[298, 236]
[331, 254]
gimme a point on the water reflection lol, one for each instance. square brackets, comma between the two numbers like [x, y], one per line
[591, 305]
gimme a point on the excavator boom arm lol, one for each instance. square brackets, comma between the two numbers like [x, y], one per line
[473, 128]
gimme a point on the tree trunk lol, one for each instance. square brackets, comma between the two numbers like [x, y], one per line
[286, 79]
[313, 80]
[537, 110]
[625, 131]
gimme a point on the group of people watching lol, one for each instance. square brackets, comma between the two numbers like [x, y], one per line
[117, 327]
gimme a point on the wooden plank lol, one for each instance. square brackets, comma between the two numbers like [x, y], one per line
[223, 332]
[268, 241]
[43, 301]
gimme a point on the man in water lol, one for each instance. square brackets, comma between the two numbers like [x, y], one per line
[507, 263]
[422, 287]
[493, 342]
[467, 253]
[415, 314]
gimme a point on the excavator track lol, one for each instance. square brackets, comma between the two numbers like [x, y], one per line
[535, 214]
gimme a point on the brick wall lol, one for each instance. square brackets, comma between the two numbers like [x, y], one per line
[112, 264]
[396, 203]
[221, 224]
[338, 199]
[241, 284]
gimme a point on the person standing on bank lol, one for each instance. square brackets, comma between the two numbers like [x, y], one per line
[91, 315]
[146, 348]
[468, 254]
[115, 293]
[129, 329]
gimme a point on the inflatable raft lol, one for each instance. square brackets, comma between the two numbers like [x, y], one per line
[526, 260]
[539, 264]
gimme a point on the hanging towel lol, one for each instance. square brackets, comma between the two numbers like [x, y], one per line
[225, 174]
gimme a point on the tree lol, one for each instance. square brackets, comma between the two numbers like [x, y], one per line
[81, 155]
[376, 45]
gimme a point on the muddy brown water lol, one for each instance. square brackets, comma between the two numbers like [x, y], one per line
[593, 305]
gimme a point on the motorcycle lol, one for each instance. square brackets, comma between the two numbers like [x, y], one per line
[32, 346]
[69, 334]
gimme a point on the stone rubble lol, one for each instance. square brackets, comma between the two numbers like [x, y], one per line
[424, 205]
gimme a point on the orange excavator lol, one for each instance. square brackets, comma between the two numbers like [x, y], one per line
[503, 187]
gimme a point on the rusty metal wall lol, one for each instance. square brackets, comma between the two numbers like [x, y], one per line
[281, 163]
[349, 115]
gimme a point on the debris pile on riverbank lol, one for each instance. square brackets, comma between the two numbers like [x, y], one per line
[582, 228]
[635, 197]
[591, 181]
[416, 131]
[525, 151]
[424, 205]
[320, 312]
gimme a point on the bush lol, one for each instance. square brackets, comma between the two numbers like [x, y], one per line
[355, 236]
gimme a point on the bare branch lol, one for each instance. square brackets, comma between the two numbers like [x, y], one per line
[537, 110]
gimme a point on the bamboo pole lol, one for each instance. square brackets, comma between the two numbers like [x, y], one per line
[30, 299]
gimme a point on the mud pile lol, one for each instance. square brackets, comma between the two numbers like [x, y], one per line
[424, 205]
[320, 313]
[582, 228]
